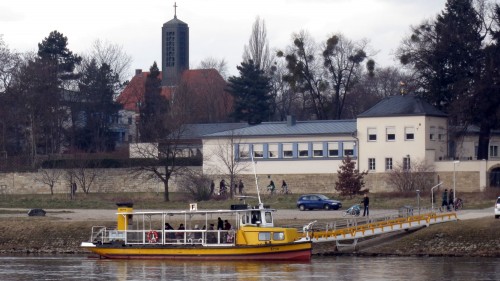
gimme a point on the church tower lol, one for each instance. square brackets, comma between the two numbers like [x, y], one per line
[174, 50]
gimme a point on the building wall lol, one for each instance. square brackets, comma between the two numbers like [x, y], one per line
[218, 152]
[417, 149]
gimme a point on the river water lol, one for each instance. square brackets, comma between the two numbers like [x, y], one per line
[74, 267]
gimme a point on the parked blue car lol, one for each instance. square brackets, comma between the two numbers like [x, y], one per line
[317, 201]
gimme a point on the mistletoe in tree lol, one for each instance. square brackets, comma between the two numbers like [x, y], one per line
[350, 180]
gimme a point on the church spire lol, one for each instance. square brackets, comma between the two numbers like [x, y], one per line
[175, 10]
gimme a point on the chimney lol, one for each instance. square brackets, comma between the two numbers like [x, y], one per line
[138, 71]
[290, 120]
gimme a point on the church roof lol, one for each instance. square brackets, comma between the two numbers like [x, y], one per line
[402, 105]
[134, 91]
[175, 21]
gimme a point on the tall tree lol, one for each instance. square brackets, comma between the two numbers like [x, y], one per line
[251, 94]
[218, 64]
[257, 49]
[153, 109]
[97, 90]
[342, 60]
[305, 74]
[105, 52]
[447, 58]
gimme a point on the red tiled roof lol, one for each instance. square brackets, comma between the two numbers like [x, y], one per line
[197, 80]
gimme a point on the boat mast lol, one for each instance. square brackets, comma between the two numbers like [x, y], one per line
[256, 182]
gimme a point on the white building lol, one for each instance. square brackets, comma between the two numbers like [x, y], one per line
[398, 130]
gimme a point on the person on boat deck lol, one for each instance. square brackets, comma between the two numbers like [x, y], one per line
[211, 235]
[170, 235]
[220, 224]
[180, 235]
[197, 235]
[227, 225]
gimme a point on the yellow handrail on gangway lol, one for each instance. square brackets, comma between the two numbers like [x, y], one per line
[377, 227]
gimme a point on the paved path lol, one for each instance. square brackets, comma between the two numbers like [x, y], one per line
[286, 214]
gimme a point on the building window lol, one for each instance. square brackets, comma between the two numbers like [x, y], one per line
[406, 163]
[333, 149]
[409, 133]
[272, 150]
[432, 133]
[371, 164]
[287, 150]
[372, 134]
[303, 150]
[441, 134]
[348, 148]
[388, 164]
[258, 151]
[390, 133]
[317, 149]
[494, 150]
[130, 120]
[244, 151]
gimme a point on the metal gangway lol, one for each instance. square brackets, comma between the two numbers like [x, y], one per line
[352, 229]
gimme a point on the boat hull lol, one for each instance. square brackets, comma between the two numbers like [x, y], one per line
[293, 251]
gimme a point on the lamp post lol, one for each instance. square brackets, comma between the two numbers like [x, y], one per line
[418, 201]
[454, 181]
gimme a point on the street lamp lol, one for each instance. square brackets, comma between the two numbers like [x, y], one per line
[418, 201]
[454, 181]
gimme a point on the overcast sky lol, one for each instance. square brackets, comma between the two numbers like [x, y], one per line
[218, 28]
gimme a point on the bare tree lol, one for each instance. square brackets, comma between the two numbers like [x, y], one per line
[225, 154]
[196, 184]
[105, 52]
[49, 177]
[257, 49]
[305, 74]
[342, 60]
[84, 174]
[412, 176]
[166, 155]
[218, 64]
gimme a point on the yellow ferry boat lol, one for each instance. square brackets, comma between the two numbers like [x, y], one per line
[249, 233]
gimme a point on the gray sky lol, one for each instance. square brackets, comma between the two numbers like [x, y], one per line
[218, 28]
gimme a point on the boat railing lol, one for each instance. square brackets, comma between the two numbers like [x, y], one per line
[170, 237]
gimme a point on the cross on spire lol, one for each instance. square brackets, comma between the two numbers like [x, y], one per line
[175, 9]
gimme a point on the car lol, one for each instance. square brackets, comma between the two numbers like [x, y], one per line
[497, 208]
[317, 201]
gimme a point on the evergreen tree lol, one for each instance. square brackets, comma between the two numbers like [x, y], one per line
[251, 92]
[154, 109]
[350, 180]
[96, 87]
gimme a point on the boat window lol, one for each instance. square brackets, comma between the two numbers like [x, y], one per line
[278, 236]
[269, 217]
[264, 236]
[256, 217]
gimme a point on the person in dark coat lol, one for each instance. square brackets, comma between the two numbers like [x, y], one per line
[366, 204]
[445, 200]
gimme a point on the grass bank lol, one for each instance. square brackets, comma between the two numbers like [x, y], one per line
[474, 200]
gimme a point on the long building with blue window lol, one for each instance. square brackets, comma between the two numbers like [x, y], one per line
[400, 131]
